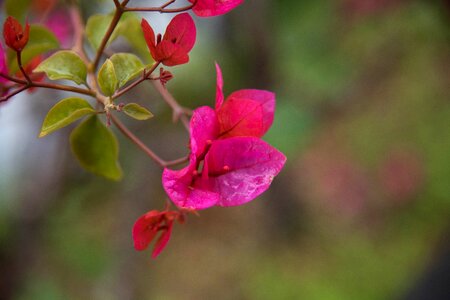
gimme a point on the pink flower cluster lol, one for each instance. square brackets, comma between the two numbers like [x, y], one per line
[229, 164]
[211, 8]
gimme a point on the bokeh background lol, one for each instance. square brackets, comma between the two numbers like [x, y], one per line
[361, 210]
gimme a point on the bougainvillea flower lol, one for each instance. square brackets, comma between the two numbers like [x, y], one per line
[147, 227]
[3, 65]
[235, 171]
[15, 36]
[174, 47]
[244, 112]
[211, 8]
[229, 164]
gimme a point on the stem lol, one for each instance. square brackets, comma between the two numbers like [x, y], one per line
[179, 112]
[144, 77]
[178, 161]
[7, 97]
[160, 9]
[168, 3]
[19, 62]
[117, 15]
[63, 88]
[49, 86]
[162, 163]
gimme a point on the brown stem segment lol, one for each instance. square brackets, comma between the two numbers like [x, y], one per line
[137, 141]
[179, 112]
[144, 77]
[117, 15]
[19, 63]
[162, 163]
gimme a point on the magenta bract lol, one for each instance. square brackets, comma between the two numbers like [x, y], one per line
[211, 8]
[229, 165]
[179, 39]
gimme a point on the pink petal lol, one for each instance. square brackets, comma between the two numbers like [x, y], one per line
[244, 167]
[181, 31]
[204, 127]
[162, 241]
[219, 87]
[143, 233]
[186, 191]
[149, 36]
[171, 54]
[247, 113]
[210, 8]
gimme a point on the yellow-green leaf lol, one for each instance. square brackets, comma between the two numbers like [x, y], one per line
[64, 113]
[127, 66]
[64, 65]
[96, 27]
[96, 148]
[41, 41]
[107, 79]
[137, 112]
[130, 28]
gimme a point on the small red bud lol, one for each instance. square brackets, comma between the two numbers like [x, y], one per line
[15, 37]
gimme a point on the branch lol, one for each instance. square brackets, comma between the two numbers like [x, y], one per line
[162, 163]
[161, 9]
[18, 91]
[179, 112]
[145, 76]
[31, 84]
[19, 63]
[117, 15]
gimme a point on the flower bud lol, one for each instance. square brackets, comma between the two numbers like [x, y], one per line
[15, 37]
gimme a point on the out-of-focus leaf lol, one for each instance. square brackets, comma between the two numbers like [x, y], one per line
[17, 8]
[64, 113]
[41, 41]
[130, 28]
[107, 78]
[137, 112]
[127, 66]
[96, 148]
[64, 65]
[96, 27]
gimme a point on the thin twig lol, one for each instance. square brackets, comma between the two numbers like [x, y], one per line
[145, 76]
[160, 9]
[138, 142]
[7, 97]
[179, 112]
[19, 62]
[112, 26]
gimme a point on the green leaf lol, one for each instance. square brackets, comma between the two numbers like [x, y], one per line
[96, 28]
[17, 8]
[64, 65]
[64, 113]
[130, 28]
[41, 41]
[127, 66]
[137, 112]
[107, 78]
[96, 148]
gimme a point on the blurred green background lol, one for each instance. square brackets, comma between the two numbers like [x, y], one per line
[361, 210]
